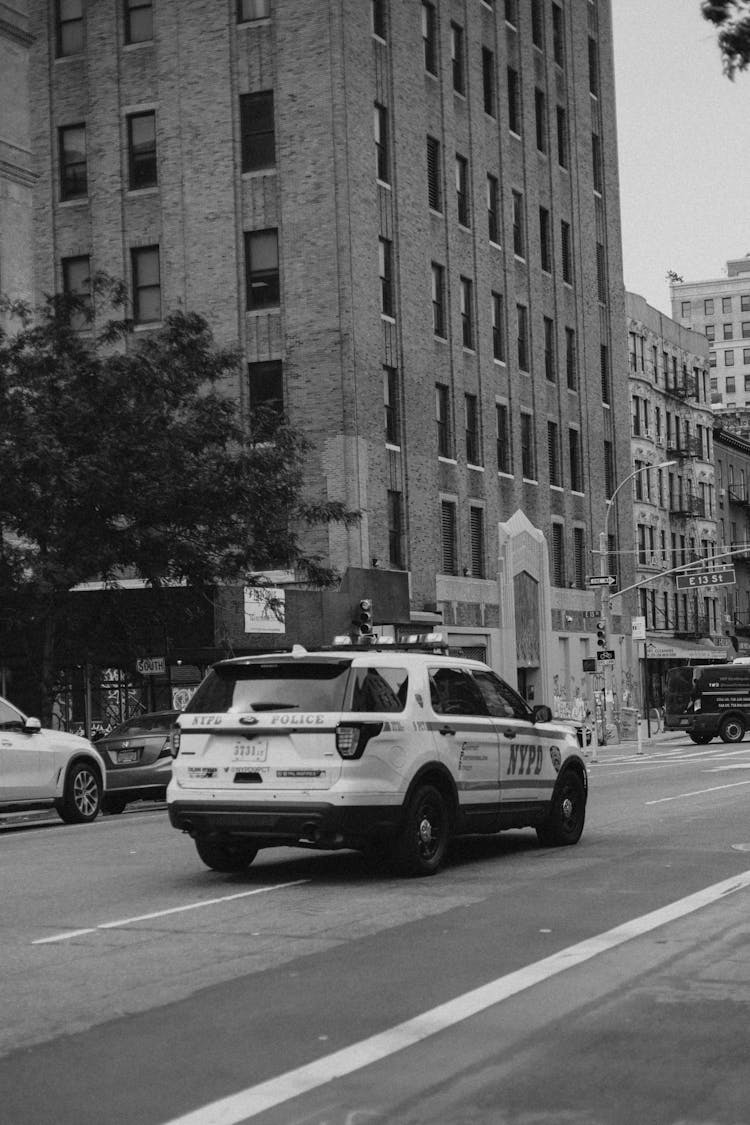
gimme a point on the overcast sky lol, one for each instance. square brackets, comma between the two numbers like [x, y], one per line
[684, 146]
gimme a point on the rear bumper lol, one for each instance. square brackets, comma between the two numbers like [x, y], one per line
[320, 823]
[694, 724]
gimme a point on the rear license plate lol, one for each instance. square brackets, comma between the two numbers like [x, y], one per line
[255, 751]
[125, 756]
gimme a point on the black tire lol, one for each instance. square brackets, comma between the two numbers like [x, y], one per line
[227, 857]
[564, 823]
[732, 729]
[82, 797]
[422, 841]
[113, 806]
[700, 739]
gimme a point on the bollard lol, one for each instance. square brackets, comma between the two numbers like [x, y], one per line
[638, 735]
[594, 742]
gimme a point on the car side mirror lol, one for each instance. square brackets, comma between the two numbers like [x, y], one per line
[32, 726]
[542, 713]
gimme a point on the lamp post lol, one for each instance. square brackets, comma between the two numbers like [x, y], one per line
[604, 594]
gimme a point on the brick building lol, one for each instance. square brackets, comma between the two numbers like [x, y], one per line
[732, 459]
[407, 214]
[16, 176]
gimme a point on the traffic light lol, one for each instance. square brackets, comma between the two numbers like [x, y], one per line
[365, 617]
[601, 634]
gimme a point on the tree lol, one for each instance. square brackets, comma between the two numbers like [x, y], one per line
[124, 455]
[732, 20]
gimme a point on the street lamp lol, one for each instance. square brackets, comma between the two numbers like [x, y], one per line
[604, 594]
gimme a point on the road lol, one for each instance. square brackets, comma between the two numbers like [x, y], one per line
[603, 984]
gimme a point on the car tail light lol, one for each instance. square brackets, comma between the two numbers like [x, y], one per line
[174, 741]
[351, 738]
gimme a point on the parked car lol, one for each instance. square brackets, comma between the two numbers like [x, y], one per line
[138, 759]
[42, 768]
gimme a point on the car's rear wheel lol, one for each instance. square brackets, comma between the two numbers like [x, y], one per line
[82, 796]
[421, 844]
[732, 729]
[114, 805]
[564, 823]
[225, 857]
[701, 739]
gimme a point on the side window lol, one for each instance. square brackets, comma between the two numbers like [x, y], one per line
[453, 692]
[10, 719]
[379, 689]
[501, 700]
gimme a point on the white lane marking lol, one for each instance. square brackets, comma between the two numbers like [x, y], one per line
[697, 793]
[163, 913]
[266, 1095]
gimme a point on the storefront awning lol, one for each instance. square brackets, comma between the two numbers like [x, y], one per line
[676, 649]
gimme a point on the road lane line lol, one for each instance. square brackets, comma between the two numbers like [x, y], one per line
[258, 1099]
[163, 913]
[696, 793]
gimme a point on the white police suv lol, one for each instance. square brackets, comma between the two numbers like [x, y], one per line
[381, 748]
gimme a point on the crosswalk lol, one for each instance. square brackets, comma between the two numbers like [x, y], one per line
[717, 756]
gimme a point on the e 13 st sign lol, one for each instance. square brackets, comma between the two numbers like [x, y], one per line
[724, 577]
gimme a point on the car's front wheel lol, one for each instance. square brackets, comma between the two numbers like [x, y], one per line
[564, 823]
[225, 857]
[423, 839]
[82, 796]
[732, 729]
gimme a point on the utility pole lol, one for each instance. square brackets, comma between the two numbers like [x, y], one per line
[604, 630]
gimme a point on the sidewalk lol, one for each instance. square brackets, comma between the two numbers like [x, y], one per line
[658, 738]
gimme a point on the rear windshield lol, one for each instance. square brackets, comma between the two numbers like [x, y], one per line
[146, 724]
[273, 686]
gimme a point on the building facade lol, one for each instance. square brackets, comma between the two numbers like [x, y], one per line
[16, 176]
[732, 457]
[675, 497]
[408, 216]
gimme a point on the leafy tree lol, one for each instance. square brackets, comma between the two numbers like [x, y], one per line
[732, 20]
[124, 455]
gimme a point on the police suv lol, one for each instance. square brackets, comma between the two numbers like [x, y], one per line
[388, 749]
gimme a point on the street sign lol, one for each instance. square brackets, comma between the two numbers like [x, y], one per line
[724, 577]
[638, 627]
[606, 654]
[601, 579]
[151, 666]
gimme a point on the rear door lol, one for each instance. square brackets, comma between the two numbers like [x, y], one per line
[21, 773]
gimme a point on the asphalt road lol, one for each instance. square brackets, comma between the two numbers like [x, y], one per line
[603, 984]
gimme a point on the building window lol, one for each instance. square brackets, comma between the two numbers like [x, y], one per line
[511, 12]
[76, 280]
[609, 469]
[576, 460]
[545, 240]
[558, 35]
[685, 310]
[746, 359]
[566, 248]
[442, 413]
[257, 131]
[476, 541]
[593, 67]
[553, 454]
[498, 327]
[462, 190]
[528, 451]
[380, 123]
[434, 194]
[262, 269]
[493, 209]
[266, 393]
[141, 150]
[579, 557]
[601, 273]
[378, 18]
[710, 332]
[69, 15]
[712, 359]
[503, 438]
[473, 451]
[250, 10]
[467, 322]
[522, 317]
[727, 330]
[73, 178]
[540, 113]
[395, 529]
[596, 163]
[429, 37]
[606, 374]
[708, 306]
[488, 80]
[457, 57]
[729, 357]
[562, 137]
[448, 544]
[519, 238]
[745, 302]
[726, 304]
[391, 401]
[385, 270]
[558, 555]
[514, 101]
[139, 21]
[571, 359]
[550, 365]
[146, 285]
[438, 300]
[745, 329]
[730, 387]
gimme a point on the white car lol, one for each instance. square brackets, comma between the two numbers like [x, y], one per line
[47, 768]
[379, 748]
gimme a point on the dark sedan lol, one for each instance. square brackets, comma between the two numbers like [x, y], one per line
[138, 759]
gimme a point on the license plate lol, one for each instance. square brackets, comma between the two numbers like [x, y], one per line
[125, 756]
[255, 751]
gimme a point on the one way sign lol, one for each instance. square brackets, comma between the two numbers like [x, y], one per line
[601, 579]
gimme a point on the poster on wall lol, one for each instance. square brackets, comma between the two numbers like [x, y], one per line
[264, 609]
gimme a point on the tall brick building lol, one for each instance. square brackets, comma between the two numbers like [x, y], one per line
[407, 213]
[16, 175]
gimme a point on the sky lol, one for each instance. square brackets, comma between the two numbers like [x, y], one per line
[684, 147]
